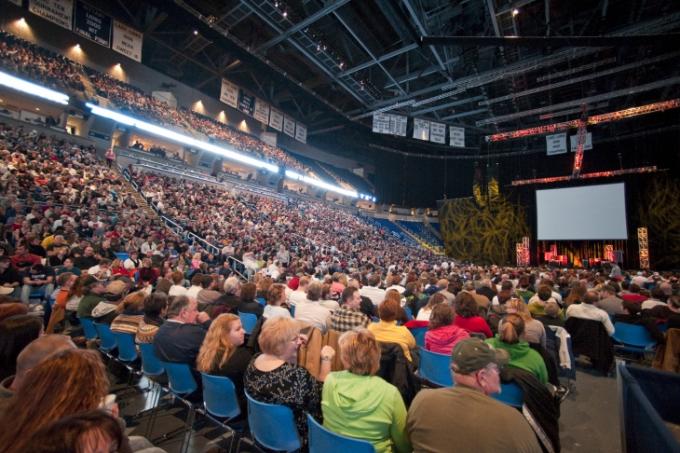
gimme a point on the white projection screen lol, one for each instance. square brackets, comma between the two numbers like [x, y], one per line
[582, 213]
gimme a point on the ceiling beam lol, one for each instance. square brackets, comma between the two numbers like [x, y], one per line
[665, 40]
[447, 105]
[380, 59]
[259, 13]
[423, 32]
[421, 73]
[301, 25]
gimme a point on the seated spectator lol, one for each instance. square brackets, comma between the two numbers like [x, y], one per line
[673, 319]
[425, 312]
[23, 260]
[463, 417]
[534, 331]
[223, 353]
[387, 330]
[633, 294]
[177, 288]
[300, 293]
[443, 334]
[357, 403]
[180, 337]
[327, 298]
[275, 298]
[37, 278]
[275, 378]
[367, 306]
[102, 270]
[229, 301]
[658, 299]
[92, 295]
[248, 304]
[130, 314]
[132, 261]
[207, 296]
[553, 316]
[113, 295]
[10, 280]
[34, 353]
[373, 291]
[504, 295]
[15, 333]
[588, 310]
[64, 291]
[576, 295]
[349, 316]
[521, 355]
[311, 311]
[524, 291]
[538, 301]
[155, 307]
[467, 315]
[196, 286]
[609, 302]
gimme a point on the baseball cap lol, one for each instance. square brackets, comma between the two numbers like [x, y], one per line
[473, 354]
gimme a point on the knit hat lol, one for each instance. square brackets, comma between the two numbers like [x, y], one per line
[473, 354]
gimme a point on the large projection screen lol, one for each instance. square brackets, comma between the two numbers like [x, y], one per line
[582, 213]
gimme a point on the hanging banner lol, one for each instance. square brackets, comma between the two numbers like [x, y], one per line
[59, 12]
[398, 124]
[92, 24]
[556, 144]
[127, 41]
[261, 111]
[229, 93]
[301, 132]
[16, 2]
[246, 102]
[289, 126]
[276, 119]
[573, 141]
[438, 132]
[457, 137]
[421, 129]
[381, 123]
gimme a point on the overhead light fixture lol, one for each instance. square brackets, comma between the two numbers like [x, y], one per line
[179, 138]
[515, 12]
[321, 184]
[285, 14]
[195, 32]
[77, 47]
[27, 87]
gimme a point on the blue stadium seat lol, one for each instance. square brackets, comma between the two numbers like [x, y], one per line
[632, 338]
[89, 329]
[419, 334]
[219, 396]
[248, 321]
[273, 425]
[511, 394]
[322, 440]
[127, 351]
[108, 341]
[435, 368]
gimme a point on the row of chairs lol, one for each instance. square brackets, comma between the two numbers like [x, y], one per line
[272, 425]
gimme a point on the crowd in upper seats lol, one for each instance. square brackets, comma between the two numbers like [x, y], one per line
[22, 58]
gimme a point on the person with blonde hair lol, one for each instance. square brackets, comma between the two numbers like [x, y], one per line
[435, 299]
[223, 353]
[534, 330]
[357, 403]
[522, 356]
[274, 376]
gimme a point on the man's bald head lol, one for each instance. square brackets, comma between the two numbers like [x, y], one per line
[36, 352]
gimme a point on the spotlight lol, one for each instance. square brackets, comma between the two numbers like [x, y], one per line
[285, 14]
[195, 32]
[77, 47]
[515, 12]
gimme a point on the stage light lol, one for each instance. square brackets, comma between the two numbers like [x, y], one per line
[76, 47]
[22, 22]
[179, 138]
[321, 184]
[32, 89]
[515, 12]
[195, 32]
[285, 14]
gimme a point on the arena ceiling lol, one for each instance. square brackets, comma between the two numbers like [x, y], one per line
[331, 63]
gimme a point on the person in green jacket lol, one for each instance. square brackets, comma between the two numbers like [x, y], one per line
[521, 355]
[357, 403]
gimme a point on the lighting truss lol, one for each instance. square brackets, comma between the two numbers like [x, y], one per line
[643, 247]
[597, 174]
[27, 87]
[592, 120]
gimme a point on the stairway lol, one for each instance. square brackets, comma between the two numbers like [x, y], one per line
[90, 91]
[424, 244]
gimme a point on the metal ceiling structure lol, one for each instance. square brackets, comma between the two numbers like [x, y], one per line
[487, 65]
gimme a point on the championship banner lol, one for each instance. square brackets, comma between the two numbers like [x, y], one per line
[421, 129]
[276, 119]
[573, 141]
[92, 24]
[59, 12]
[289, 126]
[381, 123]
[457, 137]
[261, 111]
[438, 132]
[301, 132]
[556, 144]
[246, 103]
[127, 41]
[229, 93]
[398, 124]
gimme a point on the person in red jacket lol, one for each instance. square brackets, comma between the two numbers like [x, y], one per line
[467, 315]
[443, 334]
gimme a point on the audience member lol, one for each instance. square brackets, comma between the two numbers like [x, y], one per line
[588, 310]
[467, 315]
[311, 311]
[276, 297]
[387, 330]
[15, 333]
[248, 304]
[179, 339]
[155, 308]
[443, 334]
[349, 316]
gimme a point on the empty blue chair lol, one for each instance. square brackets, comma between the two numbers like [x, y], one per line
[180, 378]
[108, 341]
[435, 368]
[419, 334]
[511, 394]
[127, 352]
[219, 396]
[632, 338]
[321, 440]
[151, 364]
[89, 329]
[273, 425]
[248, 321]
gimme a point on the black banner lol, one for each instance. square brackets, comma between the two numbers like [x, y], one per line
[246, 103]
[92, 24]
